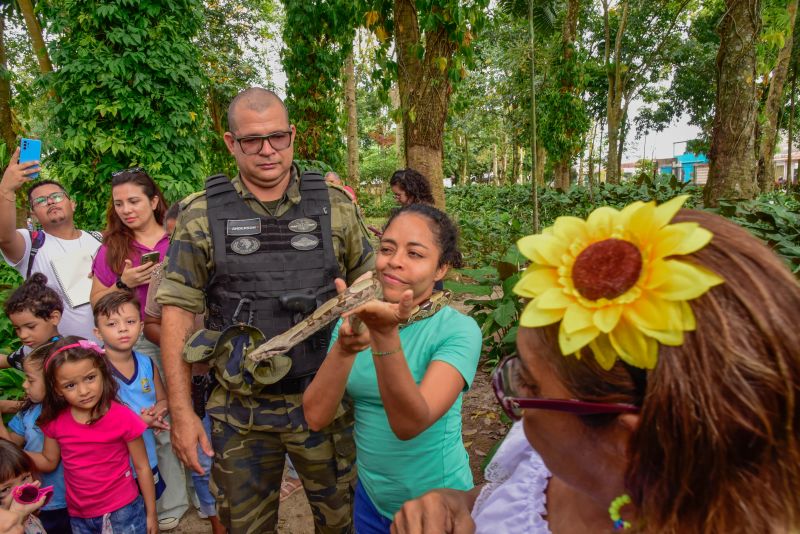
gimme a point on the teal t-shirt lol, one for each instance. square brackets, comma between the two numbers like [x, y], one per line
[393, 471]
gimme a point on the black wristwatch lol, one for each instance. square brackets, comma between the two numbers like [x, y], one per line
[121, 285]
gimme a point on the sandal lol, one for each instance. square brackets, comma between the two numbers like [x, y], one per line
[289, 486]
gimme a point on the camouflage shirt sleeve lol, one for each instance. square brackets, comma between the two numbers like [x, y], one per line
[189, 262]
[350, 238]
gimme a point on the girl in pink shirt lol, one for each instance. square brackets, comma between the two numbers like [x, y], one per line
[95, 437]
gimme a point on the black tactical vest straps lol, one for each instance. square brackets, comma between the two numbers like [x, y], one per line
[271, 272]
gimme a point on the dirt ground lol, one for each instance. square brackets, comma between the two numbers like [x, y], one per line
[482, 430]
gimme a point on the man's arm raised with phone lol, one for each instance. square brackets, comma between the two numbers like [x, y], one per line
[15, 176]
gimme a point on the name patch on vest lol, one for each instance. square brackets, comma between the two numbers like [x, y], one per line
[243, 227]
[245, 245]
[303, 226]
[305, 242]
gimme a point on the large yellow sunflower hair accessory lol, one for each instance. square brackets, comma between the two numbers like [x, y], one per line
[615, 282]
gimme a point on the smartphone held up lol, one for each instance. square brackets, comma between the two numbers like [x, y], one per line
[30, 150]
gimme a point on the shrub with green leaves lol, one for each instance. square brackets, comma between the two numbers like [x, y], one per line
[128, 93]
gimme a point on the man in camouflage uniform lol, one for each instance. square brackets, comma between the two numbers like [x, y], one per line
[212, 264]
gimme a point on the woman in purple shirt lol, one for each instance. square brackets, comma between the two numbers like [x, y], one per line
[133, 229]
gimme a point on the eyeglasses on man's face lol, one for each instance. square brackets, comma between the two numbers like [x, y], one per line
[54, 198]
[253, 144]
[507, 382]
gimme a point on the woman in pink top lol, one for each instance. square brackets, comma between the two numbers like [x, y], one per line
[133, 229]
[96, 438]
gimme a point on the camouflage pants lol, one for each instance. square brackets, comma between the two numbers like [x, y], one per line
[249, 461]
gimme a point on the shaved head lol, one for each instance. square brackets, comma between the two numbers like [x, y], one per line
[256, 99]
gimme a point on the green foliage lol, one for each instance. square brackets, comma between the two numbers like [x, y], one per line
[129, 94]
[775, 219]
[318, 36]
[497, 315]
[377, 165]
[377, 206]
[491, 217]
[11, 387]
[9, 280]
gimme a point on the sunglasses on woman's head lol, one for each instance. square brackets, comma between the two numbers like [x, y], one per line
[124, 171]
[506, 385]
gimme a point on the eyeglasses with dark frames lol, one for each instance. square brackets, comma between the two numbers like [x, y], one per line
[124, 171]
[56, 197]
[253, 144]
[512, 404]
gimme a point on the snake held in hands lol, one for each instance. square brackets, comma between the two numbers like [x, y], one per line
[354, 296]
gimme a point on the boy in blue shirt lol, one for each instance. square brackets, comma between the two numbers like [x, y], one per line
[118, 324]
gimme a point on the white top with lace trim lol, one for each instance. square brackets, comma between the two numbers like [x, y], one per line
[513, 501]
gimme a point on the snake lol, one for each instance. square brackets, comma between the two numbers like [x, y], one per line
[361, 292]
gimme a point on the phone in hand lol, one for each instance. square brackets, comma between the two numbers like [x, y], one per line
[150, 257]
[30, 150]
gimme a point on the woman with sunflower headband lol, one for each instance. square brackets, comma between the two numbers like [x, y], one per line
[655, 387]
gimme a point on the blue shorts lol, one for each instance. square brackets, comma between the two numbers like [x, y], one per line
[130, 519]
[366, 518]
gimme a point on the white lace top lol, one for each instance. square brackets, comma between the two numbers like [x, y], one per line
[513, 500]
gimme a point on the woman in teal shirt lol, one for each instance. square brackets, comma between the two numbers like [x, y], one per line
[405, 372]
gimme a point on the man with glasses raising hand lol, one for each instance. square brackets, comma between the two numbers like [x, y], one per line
[58, 243]
[262, 249]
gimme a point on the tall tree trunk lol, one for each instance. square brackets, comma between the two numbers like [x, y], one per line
[769, 133]
[790, 176]
[616, 88]
[465, 159]
[424, 92]
[623, 135]
[568, 34]
[495, 166]
[6, 125]
[215, 110]
[541, 160]
[35, 34]
[600, 154]
[514, 158]
[732, 165]
[352, 121]
[399, 133]
[590, 170]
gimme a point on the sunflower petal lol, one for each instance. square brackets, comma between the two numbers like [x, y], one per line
[654, 313]
[570, 343]
[679, 280]
[667, 337]
[605, 319]
[576, 318]
[536, 281]
[665, 212]
[553, 299]
[601, 222]
[533, 317]
[629, 342]
[570, 229]
[687, 315]
[603, 351]
[543, 249]
[680, 239]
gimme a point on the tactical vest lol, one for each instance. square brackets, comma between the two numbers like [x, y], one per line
[271, 272]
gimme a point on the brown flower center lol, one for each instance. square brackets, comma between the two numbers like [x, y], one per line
[606, 269]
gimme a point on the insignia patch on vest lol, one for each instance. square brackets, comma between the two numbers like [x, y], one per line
[245, 245]
[305, 242]
[243, 227]
[145, 385]
[303, 226]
